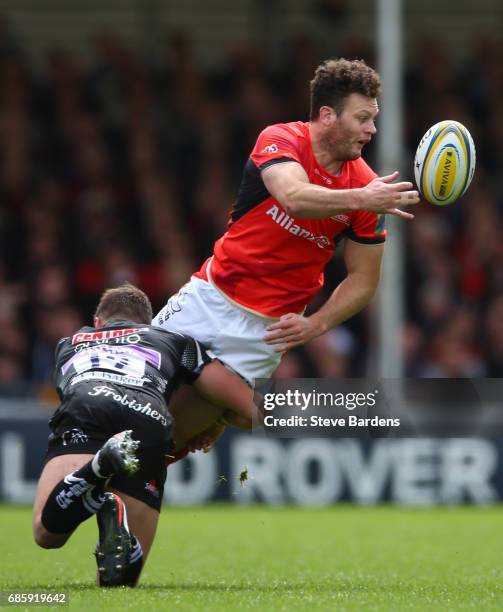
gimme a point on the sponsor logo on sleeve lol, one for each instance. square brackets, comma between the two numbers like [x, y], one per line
[152, 488]
[342, 219]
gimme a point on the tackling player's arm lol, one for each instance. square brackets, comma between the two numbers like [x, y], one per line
[217, 384]
[289, 184]
[363, 263]
[222, 388]
[228, 391]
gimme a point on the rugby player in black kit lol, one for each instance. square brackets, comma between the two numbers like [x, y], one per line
[112, 432]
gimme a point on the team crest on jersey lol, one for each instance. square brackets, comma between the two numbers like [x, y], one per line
[74, 436]
[270, 149]
[325, 179]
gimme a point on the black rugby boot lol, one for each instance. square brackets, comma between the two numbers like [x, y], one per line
[117, 456]
[114, 545]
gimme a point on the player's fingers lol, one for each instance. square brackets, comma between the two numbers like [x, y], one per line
[270, 338]
[399, 213]
[209, 445]
[282, 337]
[288, 316]
[389, 178]
[402, 186]
[197, 443]
[279, 333]
[285, 339]
[407, 198]
[285, 321]
[273, 326]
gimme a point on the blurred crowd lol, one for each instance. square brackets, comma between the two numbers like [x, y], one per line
[119, 168]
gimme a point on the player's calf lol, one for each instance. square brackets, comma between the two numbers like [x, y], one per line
[82, 493]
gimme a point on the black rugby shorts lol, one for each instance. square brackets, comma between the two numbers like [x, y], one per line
[91, 413]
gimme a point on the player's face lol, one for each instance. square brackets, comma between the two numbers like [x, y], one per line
[353, 128]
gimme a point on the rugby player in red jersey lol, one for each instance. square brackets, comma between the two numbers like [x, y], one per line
[304, 187]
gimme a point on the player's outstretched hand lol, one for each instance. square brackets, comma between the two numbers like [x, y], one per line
[383, 196]
[206, 439]
[291, 330]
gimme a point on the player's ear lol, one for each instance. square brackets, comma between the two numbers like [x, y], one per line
[327, 115]
[98, 322]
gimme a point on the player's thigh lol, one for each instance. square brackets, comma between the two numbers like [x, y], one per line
[192, 414]
[142, 520]
[192, 311]
[54, 471]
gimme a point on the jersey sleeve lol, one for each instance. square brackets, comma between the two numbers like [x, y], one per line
[367, 228]
[192, 361]
[59, 348]
[56, 373]
[275, 144]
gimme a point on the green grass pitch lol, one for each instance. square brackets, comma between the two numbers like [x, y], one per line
[262, 558]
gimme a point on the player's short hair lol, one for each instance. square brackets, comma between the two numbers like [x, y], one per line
[335, 79]
[125, 302]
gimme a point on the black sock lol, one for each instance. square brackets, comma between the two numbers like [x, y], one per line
[87, 473]
[135, 562]
[73, 500]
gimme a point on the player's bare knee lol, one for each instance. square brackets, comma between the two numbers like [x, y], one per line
[46, 539]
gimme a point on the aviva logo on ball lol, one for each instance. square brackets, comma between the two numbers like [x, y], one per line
[447, 166]
[445, 163]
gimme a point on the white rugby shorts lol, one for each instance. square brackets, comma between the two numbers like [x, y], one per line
[232, 334]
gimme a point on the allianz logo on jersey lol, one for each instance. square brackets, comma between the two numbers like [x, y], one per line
[286, 222]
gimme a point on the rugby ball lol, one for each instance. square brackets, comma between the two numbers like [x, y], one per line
[445, 163]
